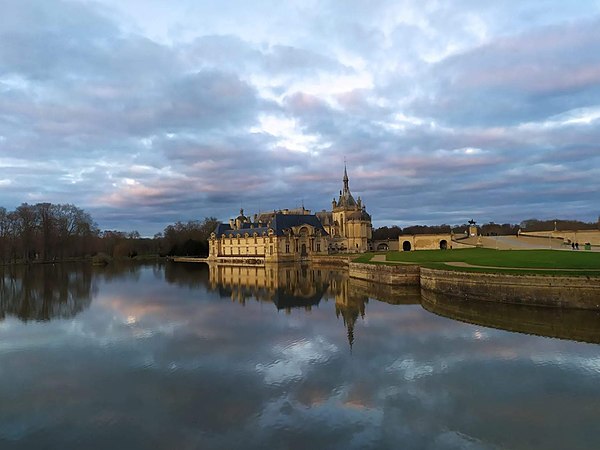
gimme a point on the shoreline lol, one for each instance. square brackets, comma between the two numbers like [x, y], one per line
[557, 291]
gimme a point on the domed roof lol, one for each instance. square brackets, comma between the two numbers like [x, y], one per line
[241, 217]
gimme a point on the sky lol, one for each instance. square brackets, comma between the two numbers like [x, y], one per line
[146, 112]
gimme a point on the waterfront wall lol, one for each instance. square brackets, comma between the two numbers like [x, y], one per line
[557, 291]
[553, 291]
[398, 275]
[331, 260]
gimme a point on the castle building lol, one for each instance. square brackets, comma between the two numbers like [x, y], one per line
[348, 223]
[283, 237]
[294, 235]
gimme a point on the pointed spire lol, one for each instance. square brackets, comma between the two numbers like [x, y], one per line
[345, 179]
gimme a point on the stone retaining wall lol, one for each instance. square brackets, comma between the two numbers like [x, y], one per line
[557, 291]
[536, 290]
[328, 260]
[398, 275]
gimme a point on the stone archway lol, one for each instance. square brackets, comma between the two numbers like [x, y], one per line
[382, 247]
[443, 244]
[406, 246]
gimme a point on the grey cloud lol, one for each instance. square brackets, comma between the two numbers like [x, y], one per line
[34, 45]
[84, 104]
[233, 53]
[517, 79]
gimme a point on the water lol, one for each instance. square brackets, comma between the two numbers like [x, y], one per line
[177, 356]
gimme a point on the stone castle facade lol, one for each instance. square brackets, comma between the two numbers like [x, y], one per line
[294, 235]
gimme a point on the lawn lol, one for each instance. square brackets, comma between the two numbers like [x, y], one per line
[584, 262]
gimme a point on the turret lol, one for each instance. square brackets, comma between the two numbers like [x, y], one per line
[345, 179]
[241, 219]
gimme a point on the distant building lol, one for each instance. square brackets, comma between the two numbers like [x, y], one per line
[438, 241]
[292, 235]
[283, 237]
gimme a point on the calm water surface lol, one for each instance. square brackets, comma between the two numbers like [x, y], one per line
[182, 357]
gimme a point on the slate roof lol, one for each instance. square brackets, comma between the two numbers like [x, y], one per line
[359, 215]
[279, 223]
[346, 199]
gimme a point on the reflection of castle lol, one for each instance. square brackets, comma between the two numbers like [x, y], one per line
[287, 286]
[293, 235]
[291, 286]
[349, 305]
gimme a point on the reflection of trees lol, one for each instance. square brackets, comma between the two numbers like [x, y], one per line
[120, 270]
[187, 274]
[45, 292]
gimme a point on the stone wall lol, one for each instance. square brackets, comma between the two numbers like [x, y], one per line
[556, 291]
[535, 290]
[398, 275]
[580, 236]
[331, 260]
[425, 241]
[391, 244]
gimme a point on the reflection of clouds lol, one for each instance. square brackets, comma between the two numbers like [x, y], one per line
[222, 375]
[410, 369]
[332, 422]
[591, 366]
[294, 360]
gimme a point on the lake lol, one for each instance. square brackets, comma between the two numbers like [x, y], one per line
[183, 356]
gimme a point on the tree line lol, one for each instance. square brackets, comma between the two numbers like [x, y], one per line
[490, 228]
[56, 232]
[46, 232]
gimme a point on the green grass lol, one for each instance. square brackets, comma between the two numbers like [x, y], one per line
[515, 261]
[364, 258]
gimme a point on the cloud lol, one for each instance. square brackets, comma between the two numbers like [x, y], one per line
[520, 78]
[422, 101]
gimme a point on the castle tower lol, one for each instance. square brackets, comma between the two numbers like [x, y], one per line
[352, 218]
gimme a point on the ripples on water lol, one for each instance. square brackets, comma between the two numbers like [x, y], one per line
[178, 356]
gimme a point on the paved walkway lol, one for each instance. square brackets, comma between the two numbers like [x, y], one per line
[522, 243]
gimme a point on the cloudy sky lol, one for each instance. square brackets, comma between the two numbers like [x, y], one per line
[145, 112]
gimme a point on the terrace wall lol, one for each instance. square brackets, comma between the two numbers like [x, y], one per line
[537, 290]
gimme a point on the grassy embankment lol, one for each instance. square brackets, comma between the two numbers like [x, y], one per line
[557, 262]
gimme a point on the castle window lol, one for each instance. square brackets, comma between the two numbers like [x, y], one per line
[287, 248]
[318, 247]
